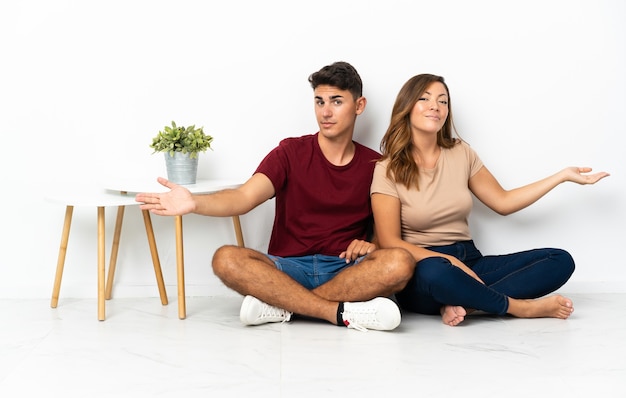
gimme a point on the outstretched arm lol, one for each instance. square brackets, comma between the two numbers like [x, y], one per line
[487, 189]
[229, 202]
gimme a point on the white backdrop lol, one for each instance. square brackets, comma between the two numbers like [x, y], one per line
[536, 86]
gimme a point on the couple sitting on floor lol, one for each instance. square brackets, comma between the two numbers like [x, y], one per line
[417, 195]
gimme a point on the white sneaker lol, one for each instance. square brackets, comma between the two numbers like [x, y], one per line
[255, 312]
[378, 314]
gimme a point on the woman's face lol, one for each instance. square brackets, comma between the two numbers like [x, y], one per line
[431, 110]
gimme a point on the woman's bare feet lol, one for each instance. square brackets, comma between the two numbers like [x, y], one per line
[555, 306]
[452, 315]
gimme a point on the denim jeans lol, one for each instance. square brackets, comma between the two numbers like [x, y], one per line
[313, 270]
[523, 275]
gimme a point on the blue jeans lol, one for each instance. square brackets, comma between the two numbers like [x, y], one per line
[523, 275]
[314, 270]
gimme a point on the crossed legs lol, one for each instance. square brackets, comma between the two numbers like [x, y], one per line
[514, 284]
[249, 272]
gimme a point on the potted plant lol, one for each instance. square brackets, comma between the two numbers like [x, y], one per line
[181, 146]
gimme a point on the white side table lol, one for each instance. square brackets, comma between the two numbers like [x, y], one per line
[133, 187]
[101, 198]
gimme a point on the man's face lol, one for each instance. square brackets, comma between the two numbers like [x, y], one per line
[336, 110]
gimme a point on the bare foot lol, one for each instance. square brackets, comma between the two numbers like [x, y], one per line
[452, 315]
[555, 306]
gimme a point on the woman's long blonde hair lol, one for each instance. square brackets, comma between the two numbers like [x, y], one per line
[397, 143]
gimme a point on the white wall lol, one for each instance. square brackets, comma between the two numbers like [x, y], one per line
[536, 86]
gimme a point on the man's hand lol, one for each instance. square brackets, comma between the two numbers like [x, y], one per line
[356, 249]
[177, 201]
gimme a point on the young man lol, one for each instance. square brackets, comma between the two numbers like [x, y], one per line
[319, 262]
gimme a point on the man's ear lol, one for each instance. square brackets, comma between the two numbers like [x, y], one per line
[360, 105]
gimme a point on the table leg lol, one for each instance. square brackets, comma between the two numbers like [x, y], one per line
[101, 289]
[155, 256]
[238, 232]
[114, 250]
[180, 267]
[62, 252]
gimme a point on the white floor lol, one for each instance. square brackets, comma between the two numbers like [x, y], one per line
[142, 349]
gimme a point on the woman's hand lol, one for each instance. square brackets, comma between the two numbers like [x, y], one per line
[575, 174]
[459, 264]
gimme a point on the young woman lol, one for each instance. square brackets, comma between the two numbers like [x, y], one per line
[422, 197]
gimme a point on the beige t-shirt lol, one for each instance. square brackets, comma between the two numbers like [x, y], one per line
[438, 213]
